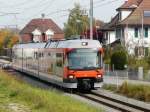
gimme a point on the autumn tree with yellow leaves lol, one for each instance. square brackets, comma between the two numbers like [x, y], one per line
[7, 39]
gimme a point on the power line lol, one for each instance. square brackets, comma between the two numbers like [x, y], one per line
[6, 14]
[65, 10]
[35, 6]
[18, 4]
[94, 2]
[48, 5]
[106, 3]
[100, 3]
[41, 11]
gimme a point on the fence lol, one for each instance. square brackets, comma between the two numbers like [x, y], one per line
[131, 74]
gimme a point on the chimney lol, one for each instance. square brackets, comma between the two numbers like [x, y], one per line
[126, 1]
[43, 16]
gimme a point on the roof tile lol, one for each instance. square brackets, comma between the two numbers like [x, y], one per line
[135, 18]
[41, 24]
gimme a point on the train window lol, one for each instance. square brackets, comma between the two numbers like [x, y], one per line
[40, 55]
[35, 55]
[49, 54]
[59, 63]
[58, 55]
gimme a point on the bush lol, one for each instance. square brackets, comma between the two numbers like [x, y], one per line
[148, 60]
[136, 91]
[119, 59]
[135, 63]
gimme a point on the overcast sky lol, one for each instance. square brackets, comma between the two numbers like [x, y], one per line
[54, 9]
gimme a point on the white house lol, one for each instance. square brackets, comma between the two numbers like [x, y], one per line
[132, 26]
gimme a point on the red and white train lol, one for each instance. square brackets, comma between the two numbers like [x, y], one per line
[67, 63]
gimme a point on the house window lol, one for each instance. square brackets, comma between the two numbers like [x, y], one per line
[136, 32]
[37, 38]
[146, 32]
[118, 33]
[147, 13]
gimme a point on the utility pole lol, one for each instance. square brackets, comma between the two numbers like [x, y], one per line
[142, 33]
[15, 16]
[43, 27]
[91, 19]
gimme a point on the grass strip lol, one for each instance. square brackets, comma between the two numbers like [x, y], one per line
[15, 95]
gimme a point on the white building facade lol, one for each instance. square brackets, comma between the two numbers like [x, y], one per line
[132, 27]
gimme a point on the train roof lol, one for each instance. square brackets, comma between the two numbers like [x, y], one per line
[82, 43]
[78, 43]
[30, 45]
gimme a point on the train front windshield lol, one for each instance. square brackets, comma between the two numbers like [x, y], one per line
[84, 59]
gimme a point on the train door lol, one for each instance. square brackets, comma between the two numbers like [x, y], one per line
[41, 56]
[15, 58]
[59, 64]
[24, 58]
[48, 62]
[34, 63]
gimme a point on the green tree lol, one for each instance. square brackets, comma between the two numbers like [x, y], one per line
[119, 59]
[78, 22]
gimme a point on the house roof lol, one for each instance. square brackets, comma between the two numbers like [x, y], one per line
[130, 4]
[135, 18]
[41, 24]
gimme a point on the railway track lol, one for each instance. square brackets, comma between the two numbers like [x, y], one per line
[94, 96]
[113, 103]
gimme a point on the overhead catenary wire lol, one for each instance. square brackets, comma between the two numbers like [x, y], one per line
[55, 14]
[48, 5]
[35, 6]
[95, 6]
[26, 2]
[103, 3]
[107, 3]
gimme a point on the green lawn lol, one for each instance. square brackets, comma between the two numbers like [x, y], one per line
[17, 96]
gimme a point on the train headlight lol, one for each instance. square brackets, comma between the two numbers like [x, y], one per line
[84, 43]
[99, 76]
[70, 76]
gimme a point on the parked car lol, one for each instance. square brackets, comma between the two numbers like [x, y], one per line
[6, 66]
